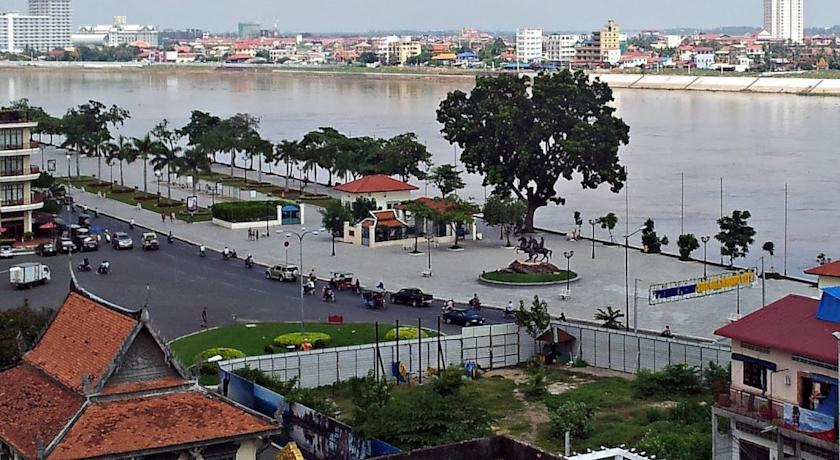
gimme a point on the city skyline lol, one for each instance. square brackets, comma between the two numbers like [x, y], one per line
[657, 14]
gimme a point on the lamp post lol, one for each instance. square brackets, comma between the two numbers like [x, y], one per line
[158, 173]
[300, 235]
[592, 223]
[568, 255]
[705, 239]
[68, 169]
[627, 275]
[332, 234]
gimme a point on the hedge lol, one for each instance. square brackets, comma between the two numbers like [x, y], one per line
[225, 353]
[317, 339]
[246, 211]
[406, 333]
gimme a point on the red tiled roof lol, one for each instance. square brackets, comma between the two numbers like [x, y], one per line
[789, 324]
[33, 408]
[375, 183]
[124, 426]
[147, 385]
[83, 339]
[829, 269]
[388, 219]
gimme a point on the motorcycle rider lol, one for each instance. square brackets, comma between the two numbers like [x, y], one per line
[249, 261]
[327, 294]
[169, 238]
[131, 224]
[85, 266]
[104, 267]
[509, 308]
[475, 303]
[309, 287]
[226, 253]
[202, 251]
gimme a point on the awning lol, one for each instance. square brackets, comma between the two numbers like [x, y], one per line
[822, 379]
[290, 208]
[751, 360]
[47, 226]
[556, 335]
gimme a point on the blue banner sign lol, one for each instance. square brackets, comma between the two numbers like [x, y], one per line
[700, 287]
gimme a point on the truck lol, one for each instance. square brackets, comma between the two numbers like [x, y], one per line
[411, 296]
[26, 275]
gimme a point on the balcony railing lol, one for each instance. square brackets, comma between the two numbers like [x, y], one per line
[13, 116]
[11, 146]
[34, 199]
[19, 172]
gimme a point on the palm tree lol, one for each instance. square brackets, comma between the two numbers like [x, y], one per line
[145, 148]
[111, 152]
[611, 318]
[194, 161]
[166, 158]
[125, 154]
[289, 153]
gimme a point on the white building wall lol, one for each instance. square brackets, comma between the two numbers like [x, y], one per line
[561, 48]
[529, 45]
[783, 19]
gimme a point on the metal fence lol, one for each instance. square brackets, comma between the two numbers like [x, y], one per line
[490, 347]
[627, 351]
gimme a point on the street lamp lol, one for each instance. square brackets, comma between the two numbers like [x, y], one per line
[300, 235]
[158, 173]
[627, 275]
[592, 223]
[705, 239]
[568, 255]
[332, 234]
[68, 169]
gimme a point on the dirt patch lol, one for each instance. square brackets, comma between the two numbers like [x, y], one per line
[511, 373]
[598, 372]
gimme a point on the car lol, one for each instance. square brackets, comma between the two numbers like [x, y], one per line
[89, 244]
[66, 246]
[46, 250]
[411, 296]
[122, 240]
[282, 272]
[468, 317]
[6, 252]
[150, 242]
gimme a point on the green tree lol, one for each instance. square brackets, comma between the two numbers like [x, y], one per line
[289, 153]
[362, 207]
[125, 154]
[333, 216]
[451, 210]
[145, 148]
[574, 417]
[446, 178]
[202, 129]
[735, 235]
[770, 248]
[610, 318]
[535, 319]
[368, 58]
[608, 222]
[193, 163]
[320, 149]
[687, 243]
[19, 328]
[650, 241]
[505, 212]
[166, 157]
[402, 156]
[523, 134]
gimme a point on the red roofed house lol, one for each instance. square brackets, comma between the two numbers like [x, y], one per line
[782, 402]
[100, 383]
[828, 275]
[385, 190]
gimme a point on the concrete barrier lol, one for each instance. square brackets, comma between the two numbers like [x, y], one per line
[784, 85]
[722, 83]
[618, 80]
[827, 87]
[665, 82]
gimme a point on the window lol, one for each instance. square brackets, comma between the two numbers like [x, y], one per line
[11, 138]
[755, 376]
[11, 166]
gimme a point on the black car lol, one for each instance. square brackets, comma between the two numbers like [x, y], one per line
[411, 296]
[46, 250]
[89, 244]
[66, 246]
[463, 317]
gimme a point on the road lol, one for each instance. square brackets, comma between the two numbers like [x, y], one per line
[180, 284]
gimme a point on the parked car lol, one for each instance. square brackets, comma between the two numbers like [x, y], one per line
[411, 296]
[26, 275]
[66, 245]
[282, 273]
[89, 244]
[150, 241]
[463, 317]
[6, 252]
[122, 240]
[46, 250]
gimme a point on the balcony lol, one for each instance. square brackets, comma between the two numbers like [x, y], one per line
[36, 201]
[768, 411]
[20, 175]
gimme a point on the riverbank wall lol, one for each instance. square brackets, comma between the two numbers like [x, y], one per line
[730, 83]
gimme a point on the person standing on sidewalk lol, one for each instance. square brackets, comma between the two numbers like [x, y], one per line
[163, 216]
[204, 318]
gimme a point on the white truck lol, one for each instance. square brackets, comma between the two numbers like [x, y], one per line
[29, 274]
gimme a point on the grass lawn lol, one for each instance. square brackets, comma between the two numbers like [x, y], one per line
[528, 278]
[267, 188]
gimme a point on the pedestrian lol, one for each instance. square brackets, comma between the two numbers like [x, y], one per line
[172, 217]
[358, 288]
[562, 317]
[312, 275]
[381, 285]
[131, 224]
[250, 234]
[162, 216]
[257, 234]
[204, 318]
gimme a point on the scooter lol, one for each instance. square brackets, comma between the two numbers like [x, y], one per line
[169, 238]
[308, 290]
[329, 296]
[202, 252]
[84, 268]
[104, 268]
[249, 262]
[230, 254]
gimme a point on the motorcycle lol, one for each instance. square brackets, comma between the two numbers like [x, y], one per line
[308, 290]
[229, 254]
[104, 268]
[169, 238]
[202, 252]
[329, 296]
[249, 262]
[84, 268]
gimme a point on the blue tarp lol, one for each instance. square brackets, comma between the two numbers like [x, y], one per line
[291, 208]
[829, 308]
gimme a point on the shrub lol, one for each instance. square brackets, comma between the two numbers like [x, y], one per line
[406, 333]
[225, 353]
[245, 211]
[317, 339]
[671, 381]
[535, 385]
[687, 243]
[716, 377]
[572, 416]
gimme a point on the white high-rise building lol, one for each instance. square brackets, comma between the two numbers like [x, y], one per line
[783, 19]
[529, 45]
[46, 27]
[562, 48]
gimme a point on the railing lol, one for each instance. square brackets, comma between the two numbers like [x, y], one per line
[19, 172]
[34, 199]
[13, 116]
[11, 147]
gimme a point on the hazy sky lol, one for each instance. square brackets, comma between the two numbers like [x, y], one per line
[365, 15]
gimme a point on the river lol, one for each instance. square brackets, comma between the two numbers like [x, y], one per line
[756, 142]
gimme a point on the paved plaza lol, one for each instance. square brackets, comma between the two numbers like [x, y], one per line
[455, 274]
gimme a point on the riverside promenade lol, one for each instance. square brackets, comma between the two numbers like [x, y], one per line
[455, 274]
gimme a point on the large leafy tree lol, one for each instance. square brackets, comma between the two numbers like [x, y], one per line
[288, 152]
[333, 217]
[203, 128]
[504, 212]
[403, 154]
[735, 235]
[446, 178]
[535, 319]
[19, 329]
[523, 134]
[320, 150]
[451, 210]
[87, 129]
[193, 162]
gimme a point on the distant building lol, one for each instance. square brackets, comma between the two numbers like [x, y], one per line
[783, 19]
[529, 45]
[703, 58]
[46, 27]
[403, 49]
[17, 200]
[561, 48]
[385, 190]
[604, 47]
[118, 33]
[248, 30]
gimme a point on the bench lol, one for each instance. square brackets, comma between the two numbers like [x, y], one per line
[426, 273]
[565, 293]
[335, 319]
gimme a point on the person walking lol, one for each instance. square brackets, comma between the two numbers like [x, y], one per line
[163, 217]
[172, 217]
[250, 234]
[204, 318]
[131, 224]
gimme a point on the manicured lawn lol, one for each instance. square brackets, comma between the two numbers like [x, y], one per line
[528, 278]
[268, 188]
[253, 340]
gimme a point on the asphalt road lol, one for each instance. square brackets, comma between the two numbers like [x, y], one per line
[180, 284]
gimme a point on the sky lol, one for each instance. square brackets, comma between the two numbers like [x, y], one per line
[495, 15]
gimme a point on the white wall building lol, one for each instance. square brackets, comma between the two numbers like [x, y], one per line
[561, 48]
[529, 45]
[46, 27]
[119, 33]
[783, 19]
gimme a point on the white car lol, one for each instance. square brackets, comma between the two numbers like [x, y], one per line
[6, 252]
